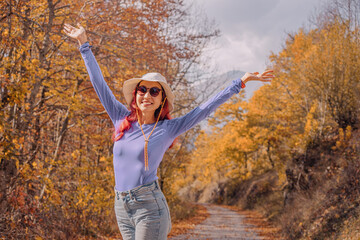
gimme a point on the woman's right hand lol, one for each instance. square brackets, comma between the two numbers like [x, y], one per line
[76, 33]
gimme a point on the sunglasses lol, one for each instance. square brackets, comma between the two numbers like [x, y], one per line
[154, 91]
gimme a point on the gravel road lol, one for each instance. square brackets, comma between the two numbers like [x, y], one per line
[222, 223]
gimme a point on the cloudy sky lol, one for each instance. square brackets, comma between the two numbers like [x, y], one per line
[252, 29]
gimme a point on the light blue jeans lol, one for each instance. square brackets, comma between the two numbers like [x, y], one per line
[142, 213]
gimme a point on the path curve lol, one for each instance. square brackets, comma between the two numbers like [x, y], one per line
[222, 223]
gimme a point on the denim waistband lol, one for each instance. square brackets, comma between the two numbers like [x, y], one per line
[138, 190]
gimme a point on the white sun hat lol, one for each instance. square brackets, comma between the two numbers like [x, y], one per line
[130, 85]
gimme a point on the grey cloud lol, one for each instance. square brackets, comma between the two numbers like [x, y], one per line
[252, 29]
[261, 16]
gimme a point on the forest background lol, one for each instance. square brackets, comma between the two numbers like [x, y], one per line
[291, 151]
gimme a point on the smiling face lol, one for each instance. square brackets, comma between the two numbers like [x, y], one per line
[146, 102]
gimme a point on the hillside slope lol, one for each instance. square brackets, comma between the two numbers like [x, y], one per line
[321, 199]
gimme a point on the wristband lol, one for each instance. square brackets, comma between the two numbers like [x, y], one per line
[242, 84]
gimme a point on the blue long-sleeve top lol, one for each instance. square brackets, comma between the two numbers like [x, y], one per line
[128, 159]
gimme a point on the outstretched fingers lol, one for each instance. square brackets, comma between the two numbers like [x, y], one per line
[268, 71]
[267, 76]
[68, 29]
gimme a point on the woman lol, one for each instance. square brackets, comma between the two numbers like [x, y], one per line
[142, 135]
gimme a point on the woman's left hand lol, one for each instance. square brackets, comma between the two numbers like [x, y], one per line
[266, 76]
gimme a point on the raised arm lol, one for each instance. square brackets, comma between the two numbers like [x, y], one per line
[114, 108]
[180, 125]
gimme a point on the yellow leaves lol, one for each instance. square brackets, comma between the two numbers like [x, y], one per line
[225, 151]
[79, 202]
[75, 154]
[35, 61]
[17, 142]
[17, 163]
[344, 138]
[348, 133]
[102, 159]
[311, 129]
[5, 33]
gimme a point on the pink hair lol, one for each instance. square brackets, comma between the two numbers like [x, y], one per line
[132, 117]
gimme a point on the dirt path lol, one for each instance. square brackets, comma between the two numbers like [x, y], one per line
[222, 223]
